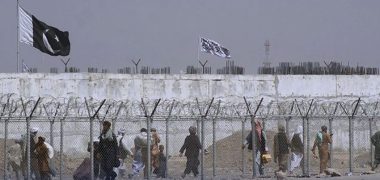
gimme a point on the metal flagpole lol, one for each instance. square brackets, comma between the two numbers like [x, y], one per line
[18, 36]
[199, 43]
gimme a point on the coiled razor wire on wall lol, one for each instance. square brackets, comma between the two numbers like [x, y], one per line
[14, 108]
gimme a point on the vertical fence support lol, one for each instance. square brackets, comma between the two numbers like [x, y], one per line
[28, 118]
[167, 138]
[61, 140]
[370, 144]
[214, 141]
[149, 120]
[6, 138]
[306, 138]
[331, 144]
[350, 130]
[242, 150]
[61, 149]
[254, 140]
[203, 118]
[92, 117]
[6, 148]
[308, 146]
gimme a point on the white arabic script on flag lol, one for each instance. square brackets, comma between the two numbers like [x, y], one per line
[212, 47]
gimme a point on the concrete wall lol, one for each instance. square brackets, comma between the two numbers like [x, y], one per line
[186, 87]
[183, 87]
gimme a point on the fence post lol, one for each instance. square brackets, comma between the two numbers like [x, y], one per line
[6, 148]
[242, 142]
[331, 144]
[149, 119]
[61, 149]
[213, 147]
[350, 142]
[254, 140]
[91, 134]
[167, 138]
[203, 117]
[308, 146]
[370, 144]
[167, 145]
[214, 141]
[149, 164]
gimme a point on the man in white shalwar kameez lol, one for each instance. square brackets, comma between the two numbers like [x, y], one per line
[297, 149]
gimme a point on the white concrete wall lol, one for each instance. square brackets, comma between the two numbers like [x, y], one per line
[187, 87]
[182, 87]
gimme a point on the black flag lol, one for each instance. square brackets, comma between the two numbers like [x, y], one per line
[46, 38]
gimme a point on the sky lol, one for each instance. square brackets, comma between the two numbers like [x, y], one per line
[109, 34]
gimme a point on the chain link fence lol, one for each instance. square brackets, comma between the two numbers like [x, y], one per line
[70, 124]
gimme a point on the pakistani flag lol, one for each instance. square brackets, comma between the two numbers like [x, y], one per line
[46, 38]
[212, 47]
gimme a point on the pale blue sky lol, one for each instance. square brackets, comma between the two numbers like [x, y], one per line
[107, 34]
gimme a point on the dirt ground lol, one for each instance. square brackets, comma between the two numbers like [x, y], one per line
[228, 161]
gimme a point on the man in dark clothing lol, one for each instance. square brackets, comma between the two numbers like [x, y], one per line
[281, 149]
[108, 151]
[192, 145]
[42, 155]
[161, 171]
[375, 140]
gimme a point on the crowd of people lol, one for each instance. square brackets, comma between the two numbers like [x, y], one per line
[110, 153]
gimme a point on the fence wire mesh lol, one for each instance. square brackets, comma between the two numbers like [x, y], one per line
[70, 124]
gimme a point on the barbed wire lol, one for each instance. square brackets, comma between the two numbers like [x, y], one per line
[13, 106]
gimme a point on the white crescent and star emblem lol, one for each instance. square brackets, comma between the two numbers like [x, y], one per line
[46, 41]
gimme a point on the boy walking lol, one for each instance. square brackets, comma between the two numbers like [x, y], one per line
[192, 145]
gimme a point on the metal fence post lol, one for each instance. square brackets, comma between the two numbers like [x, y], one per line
[331, 144]
[203, 146]
[213, 147]
[350, 143]
[370, 144]
[28, 173]
[167, 145]
[61, 150]
[242, 150]
[305, 158]
[149, 164]
[6, 148]
[308, 146]
[92, 147]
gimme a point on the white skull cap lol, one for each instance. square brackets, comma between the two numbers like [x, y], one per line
[34, 129]
[121, 130]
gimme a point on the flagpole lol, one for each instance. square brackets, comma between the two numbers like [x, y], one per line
[199, 42]
[18, 36]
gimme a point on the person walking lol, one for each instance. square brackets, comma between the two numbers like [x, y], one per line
[140, 154]
[42, 156]
[155, 150]
[375, 140]
[322, 141]
[296, 145]
[123, 152]
[192, 145]
[281, 149]
[108, 151]
[261, 146]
